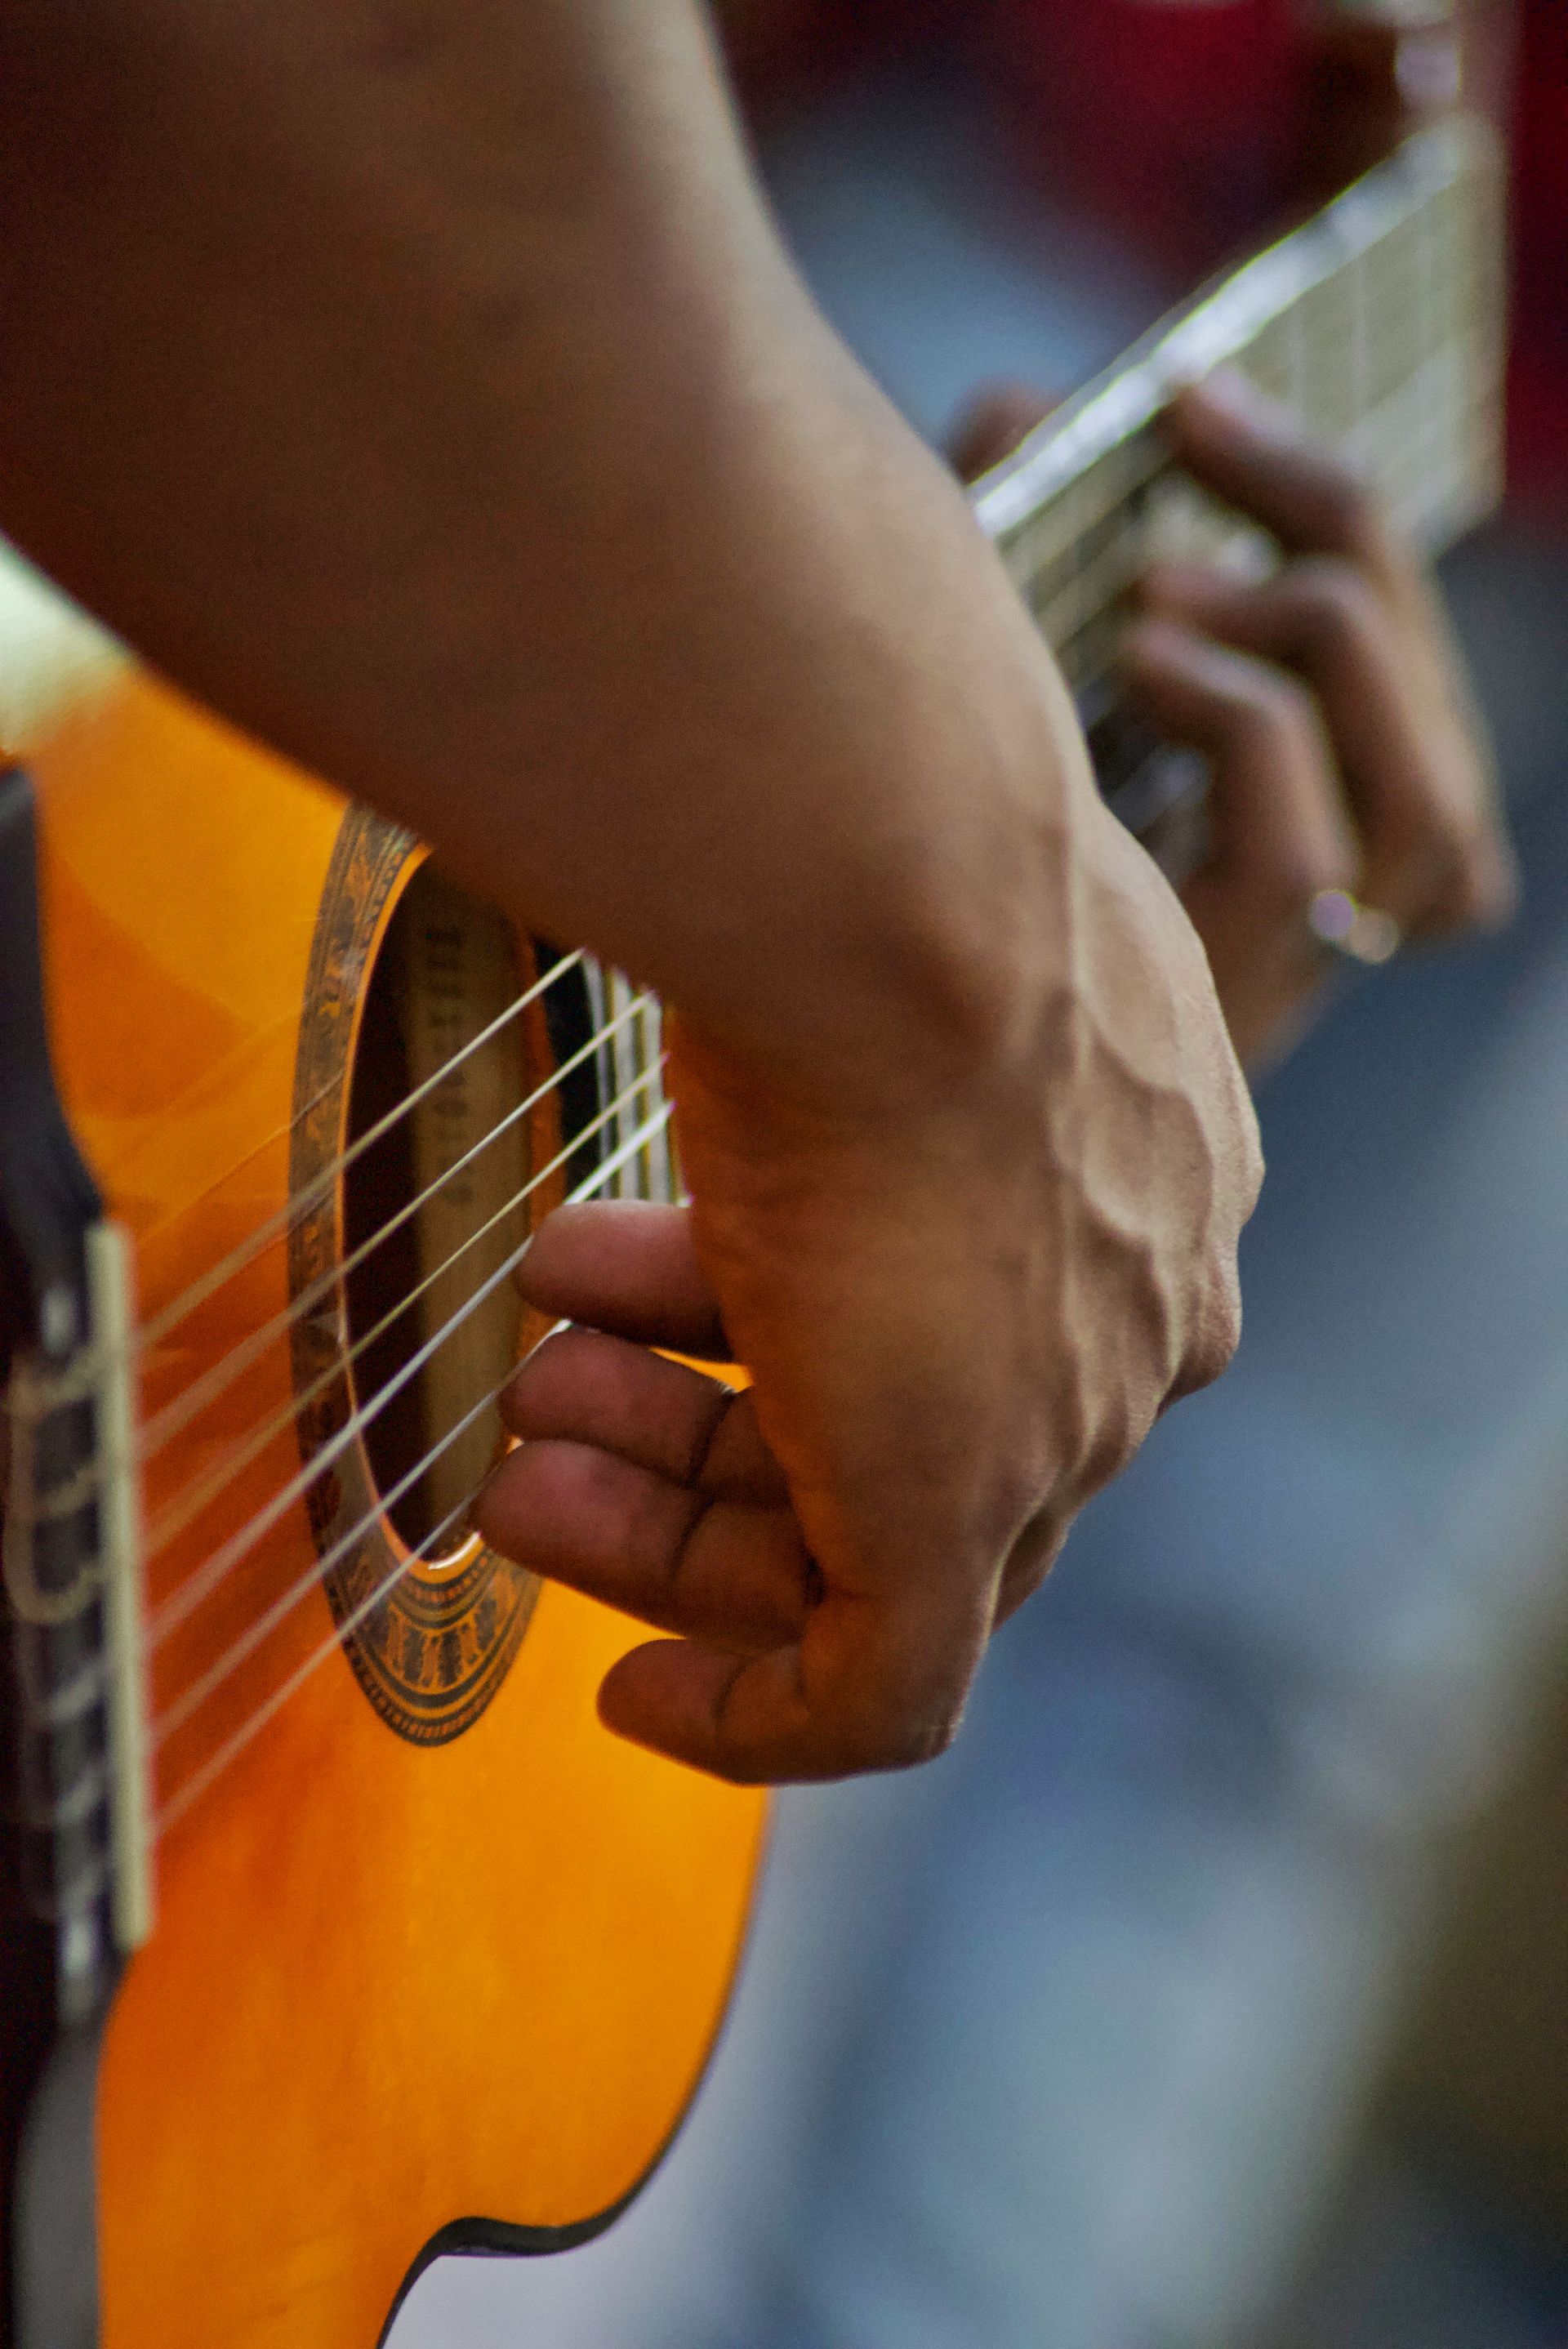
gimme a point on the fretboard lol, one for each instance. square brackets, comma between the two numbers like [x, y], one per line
[1380, 322]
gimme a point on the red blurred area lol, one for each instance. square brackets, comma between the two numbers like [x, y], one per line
[1538, 390]
[1173, 121]
[1181, 122]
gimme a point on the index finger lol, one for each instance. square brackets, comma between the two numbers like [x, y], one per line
[1256, 457]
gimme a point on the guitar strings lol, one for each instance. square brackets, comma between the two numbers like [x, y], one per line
[77, 1383]
[164, 1725]
[235, 1744]
[215, 1569]
[321, 1183]
[193, 1399]
[191, 1499]
[188, 1503]
[230, 1751]
[182, 1708]
[188, 1207]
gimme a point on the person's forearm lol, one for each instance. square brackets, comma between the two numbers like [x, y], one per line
[424, 385]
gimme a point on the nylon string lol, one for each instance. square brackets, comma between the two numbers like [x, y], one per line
[320, 1186]
[188, 1503]
[192, 1400]
[164, 1725]
[176, 1610]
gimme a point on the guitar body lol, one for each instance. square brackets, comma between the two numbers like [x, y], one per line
[435, 1957]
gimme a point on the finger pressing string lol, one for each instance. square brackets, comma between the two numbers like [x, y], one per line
[1415, 776]
[1283, 829]
[1256, 457]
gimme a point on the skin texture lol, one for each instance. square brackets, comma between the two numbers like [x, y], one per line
[423, 384]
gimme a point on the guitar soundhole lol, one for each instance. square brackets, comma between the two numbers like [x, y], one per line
[437, 1206]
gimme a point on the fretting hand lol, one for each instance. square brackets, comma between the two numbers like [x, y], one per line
[1330, 700]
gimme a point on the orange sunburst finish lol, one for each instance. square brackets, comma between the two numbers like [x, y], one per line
[390, 1987]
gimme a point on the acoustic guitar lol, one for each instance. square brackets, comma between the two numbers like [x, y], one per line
[337, 1933]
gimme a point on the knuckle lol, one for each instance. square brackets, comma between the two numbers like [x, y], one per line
[1336, 608]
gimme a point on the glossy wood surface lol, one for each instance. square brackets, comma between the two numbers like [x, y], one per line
[391, 1987]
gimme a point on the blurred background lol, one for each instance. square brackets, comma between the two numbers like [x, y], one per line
[1213, 1993]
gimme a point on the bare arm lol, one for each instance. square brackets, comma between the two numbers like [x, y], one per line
[1330, 700]
[421, 381]
[424, 385]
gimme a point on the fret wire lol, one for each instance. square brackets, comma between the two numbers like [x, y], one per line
[1083, 591]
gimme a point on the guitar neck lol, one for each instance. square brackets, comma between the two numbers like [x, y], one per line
[1378, 321]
